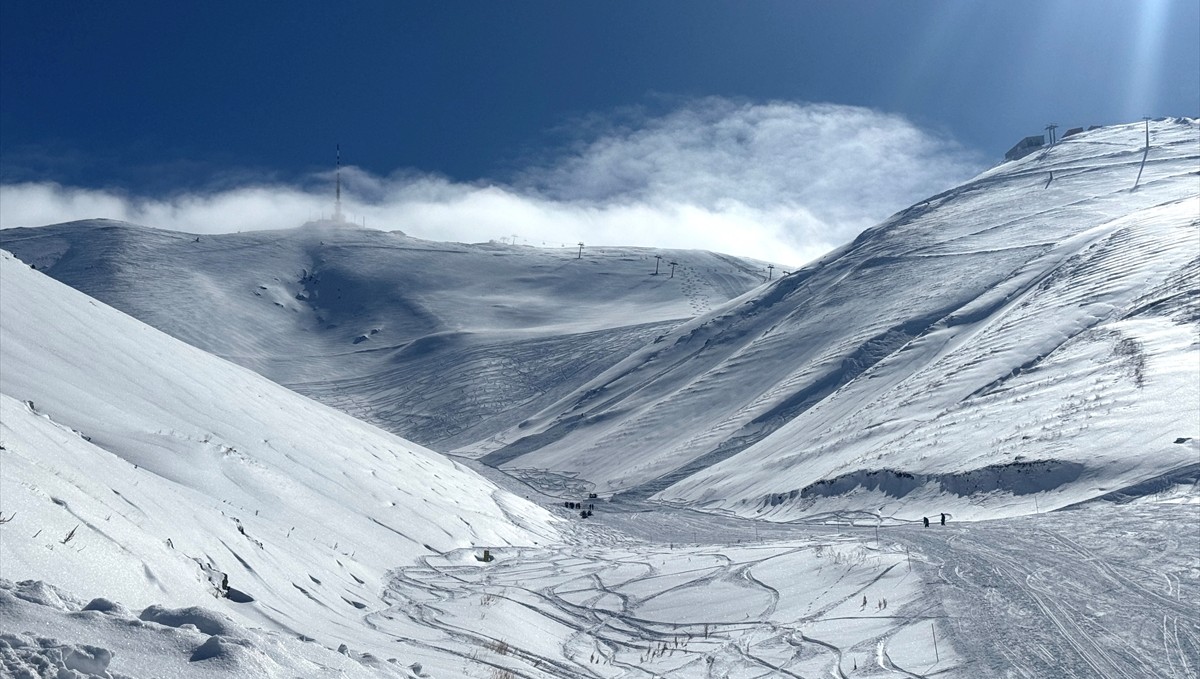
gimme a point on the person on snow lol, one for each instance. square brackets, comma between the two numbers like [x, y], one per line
[925, 520]
[943, 518]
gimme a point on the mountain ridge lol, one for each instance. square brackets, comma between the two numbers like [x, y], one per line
[938, 269]
[347, 315]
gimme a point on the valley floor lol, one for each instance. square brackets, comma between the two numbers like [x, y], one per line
[637, 590]
[1101, 591]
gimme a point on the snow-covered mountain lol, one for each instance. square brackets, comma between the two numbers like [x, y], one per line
[1024, 341]
[442, 343]
[140, 469]
[1031, 331]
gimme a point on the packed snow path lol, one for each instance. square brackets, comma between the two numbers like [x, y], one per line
[1106, 591]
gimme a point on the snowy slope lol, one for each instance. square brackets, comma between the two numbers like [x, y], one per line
[1034, 330]
[141, 469]
[443, 343]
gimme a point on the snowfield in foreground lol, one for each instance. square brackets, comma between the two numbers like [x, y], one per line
[1103, 591]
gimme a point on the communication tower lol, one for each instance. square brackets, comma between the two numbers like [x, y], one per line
[337, 203]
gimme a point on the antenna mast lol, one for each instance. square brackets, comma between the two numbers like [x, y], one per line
[337, 205]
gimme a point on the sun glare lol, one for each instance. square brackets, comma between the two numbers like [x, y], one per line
[1145, 74]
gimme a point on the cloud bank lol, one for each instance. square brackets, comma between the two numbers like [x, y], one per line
[779, 181]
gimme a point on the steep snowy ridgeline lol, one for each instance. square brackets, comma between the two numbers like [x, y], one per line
[443, 343]
[141, 469]
[1034, 330]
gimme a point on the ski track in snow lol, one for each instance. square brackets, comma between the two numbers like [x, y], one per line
[1111, 592]
[601, 599]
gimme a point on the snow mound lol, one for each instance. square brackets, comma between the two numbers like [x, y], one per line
[29, 656]
[103, 605]
[204, 620]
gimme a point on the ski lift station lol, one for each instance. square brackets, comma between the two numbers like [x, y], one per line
[1025, 147]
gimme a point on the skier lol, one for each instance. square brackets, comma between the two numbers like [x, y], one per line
[925, 520]
[943, 518]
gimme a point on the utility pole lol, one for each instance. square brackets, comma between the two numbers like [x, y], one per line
[673, 265]
[1051, 128]
[580, 255]
[657, 260]
[936, 657]
[770, 271]
[1145, 154]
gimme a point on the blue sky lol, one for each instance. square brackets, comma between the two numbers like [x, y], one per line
[151, 101]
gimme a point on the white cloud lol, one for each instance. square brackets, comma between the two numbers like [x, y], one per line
[779, 181]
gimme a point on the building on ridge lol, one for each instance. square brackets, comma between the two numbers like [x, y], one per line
[1025, 147]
